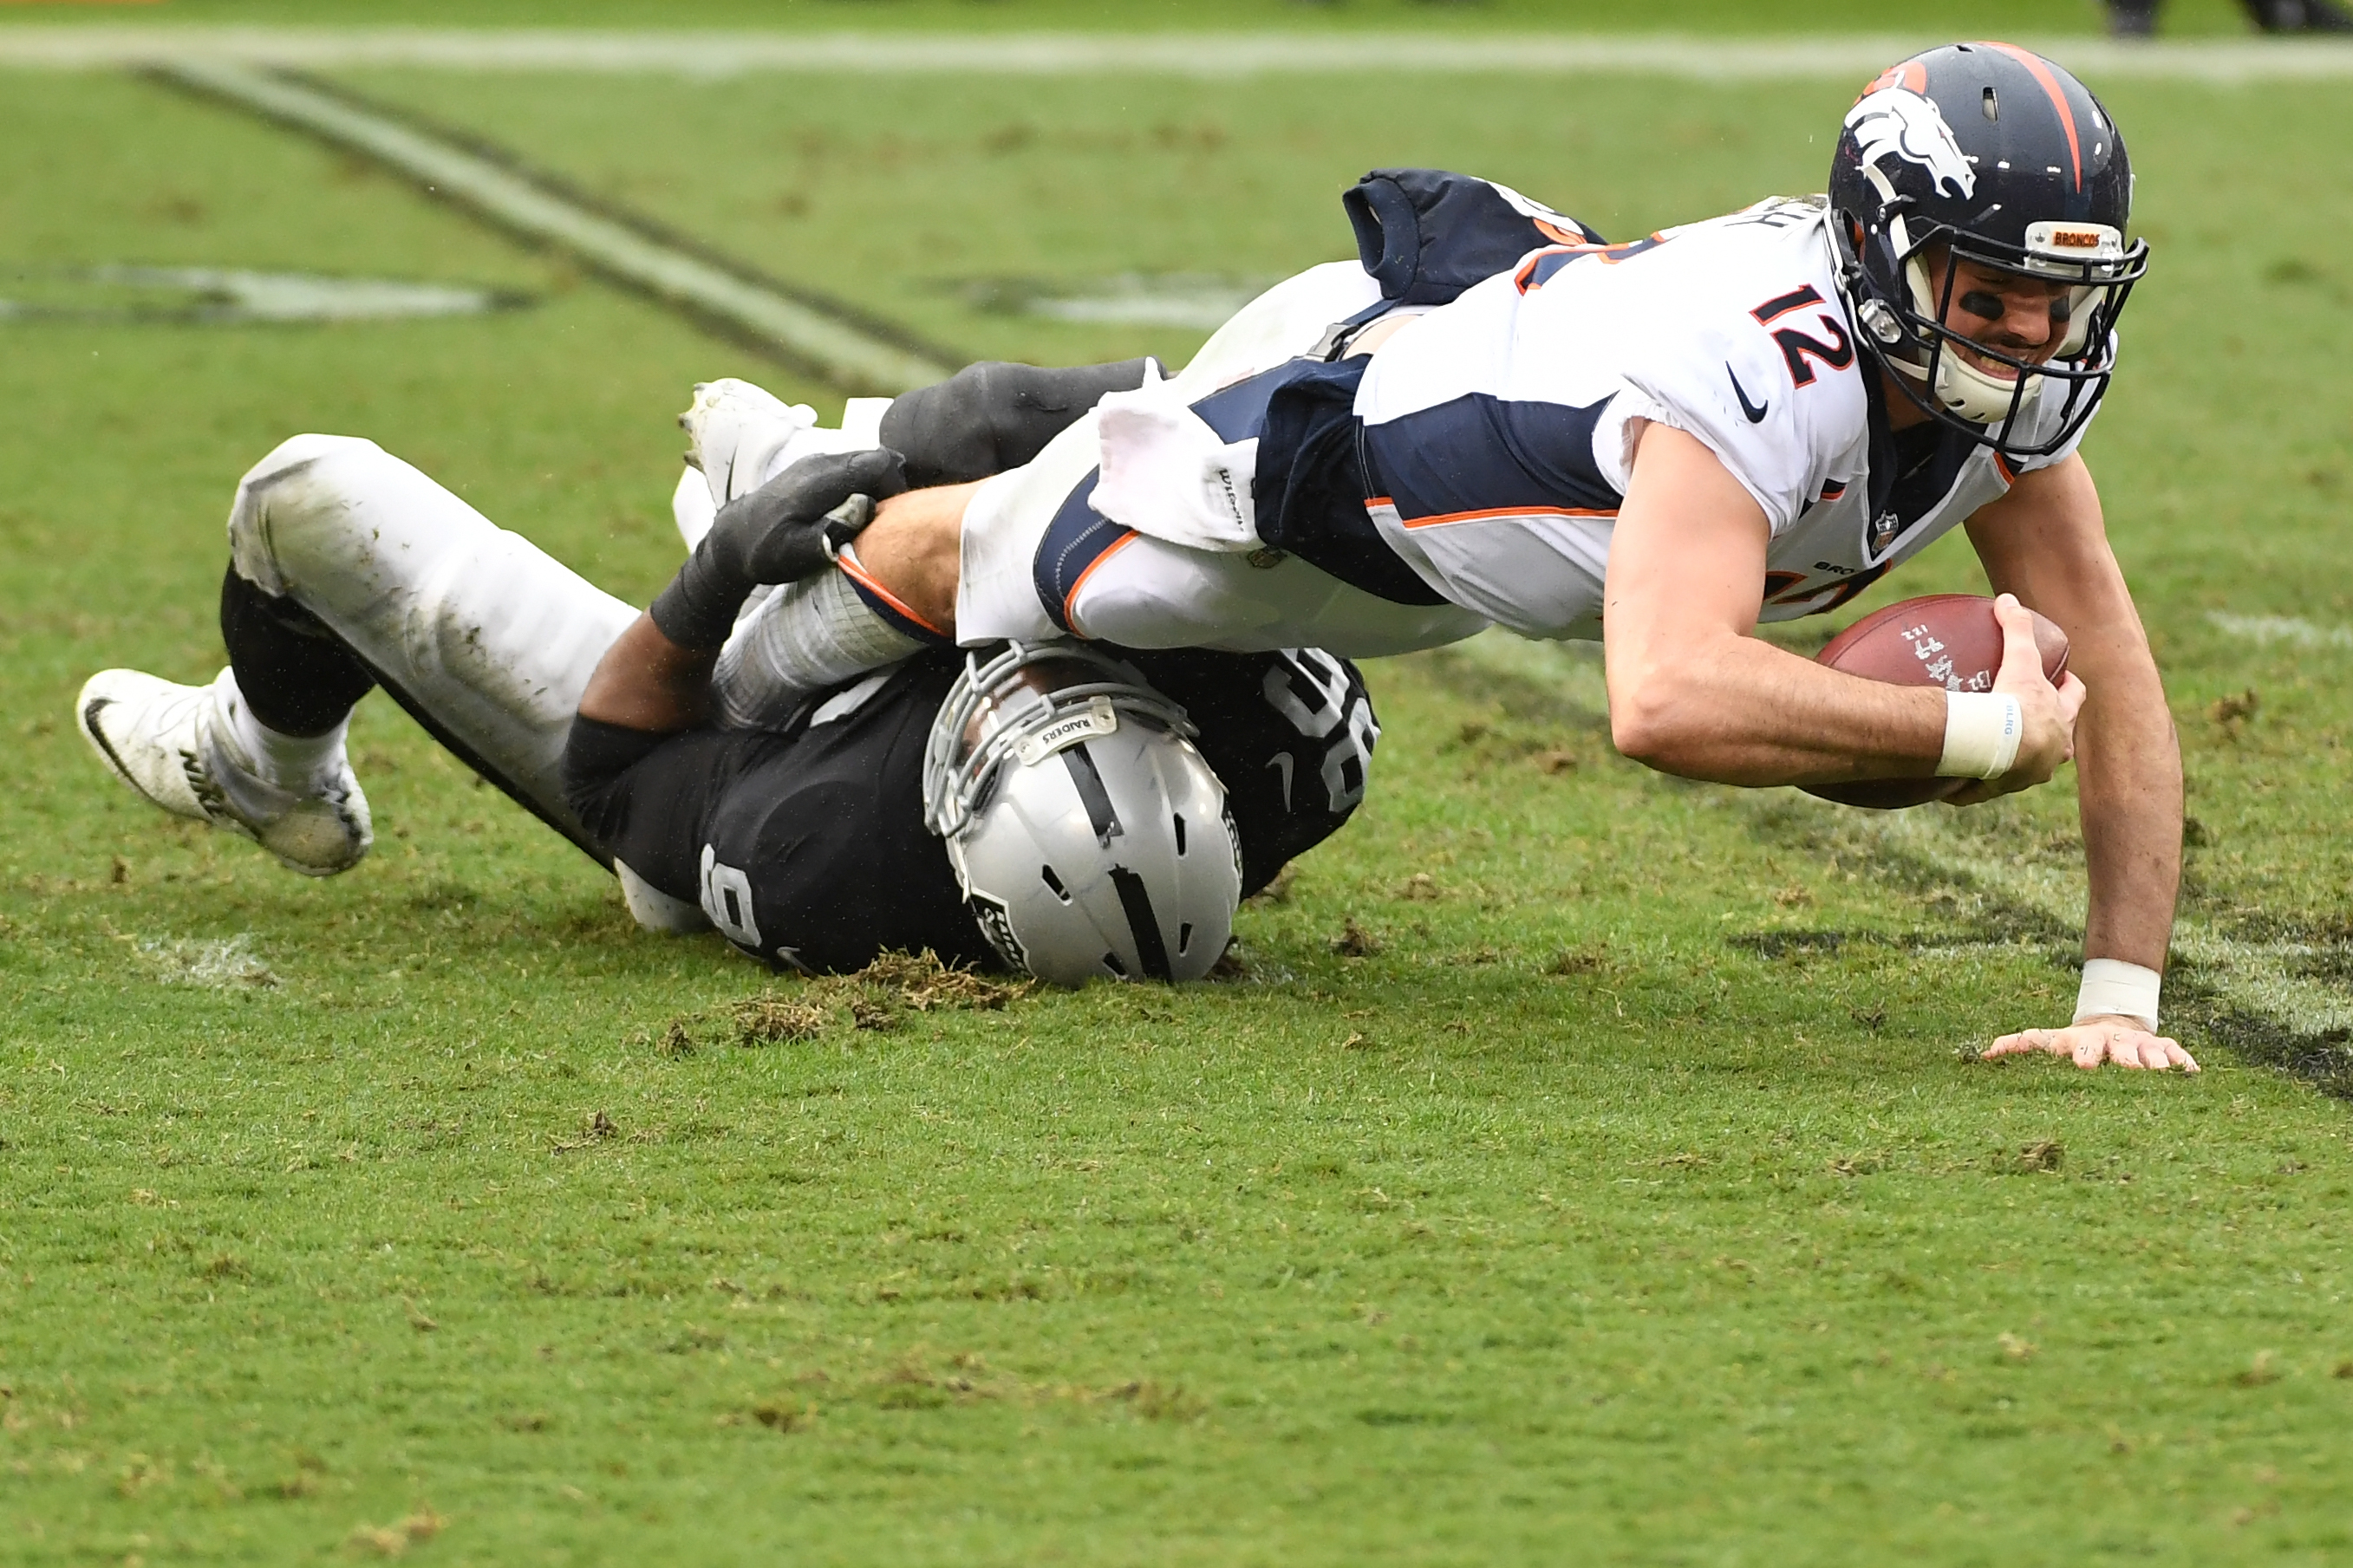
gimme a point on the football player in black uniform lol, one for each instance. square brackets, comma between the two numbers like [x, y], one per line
[1071, 812]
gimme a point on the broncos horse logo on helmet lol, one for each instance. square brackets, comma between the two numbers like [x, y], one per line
[1988, 155]
[1897, 122]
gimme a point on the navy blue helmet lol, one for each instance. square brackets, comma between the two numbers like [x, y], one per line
[1990, 154]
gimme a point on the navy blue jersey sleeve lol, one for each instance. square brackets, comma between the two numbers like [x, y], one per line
[1291, 735]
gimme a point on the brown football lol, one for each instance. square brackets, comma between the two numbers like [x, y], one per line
[1945, 639]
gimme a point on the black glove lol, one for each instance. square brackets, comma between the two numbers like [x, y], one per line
[991, 416]
[787, 529]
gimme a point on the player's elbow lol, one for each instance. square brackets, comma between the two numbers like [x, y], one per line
[1656, 719]
[1643, 723]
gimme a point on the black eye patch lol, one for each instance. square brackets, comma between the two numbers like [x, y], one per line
[1979, 302]
[2063, 309]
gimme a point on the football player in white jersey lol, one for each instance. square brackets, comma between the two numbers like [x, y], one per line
[1499, 420]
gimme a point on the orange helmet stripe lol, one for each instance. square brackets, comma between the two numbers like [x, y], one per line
[2041, 71]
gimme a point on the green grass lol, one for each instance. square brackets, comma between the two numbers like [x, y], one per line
[1630, 1204]
[2036, 18]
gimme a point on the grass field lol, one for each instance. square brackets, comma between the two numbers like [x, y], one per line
[1630, 1202]
[2191, 17]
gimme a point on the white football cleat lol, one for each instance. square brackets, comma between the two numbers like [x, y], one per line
[174, 745]
[734, 432]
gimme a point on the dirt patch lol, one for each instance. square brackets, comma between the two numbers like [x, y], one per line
[764, 1019]
[393, 1539]
[873, 998]
[2045, 1154]
[2231, 714]
[598, 1129]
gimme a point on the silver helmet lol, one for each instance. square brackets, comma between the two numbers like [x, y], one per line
[1089, 835]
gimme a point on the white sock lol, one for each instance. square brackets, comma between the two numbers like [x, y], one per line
[805, 637]
[289, 762]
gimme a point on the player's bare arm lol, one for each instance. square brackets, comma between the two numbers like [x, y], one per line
[645, 681]
[1692, 693]
[2046, 542]
[914, 548]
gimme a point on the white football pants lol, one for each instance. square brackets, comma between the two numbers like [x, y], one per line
[490, 635]
[1149, 593]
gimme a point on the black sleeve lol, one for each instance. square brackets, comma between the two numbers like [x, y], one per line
[1291, 735]
[806, 850]
[991, 416]
[645, 798]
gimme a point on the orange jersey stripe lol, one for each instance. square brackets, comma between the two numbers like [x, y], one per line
[1495, 512]
[1070, 599]
[867, 580]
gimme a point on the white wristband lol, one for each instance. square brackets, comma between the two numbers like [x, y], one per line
[1981, 734]
[2113, 987]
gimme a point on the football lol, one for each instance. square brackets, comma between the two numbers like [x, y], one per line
[1950, 640]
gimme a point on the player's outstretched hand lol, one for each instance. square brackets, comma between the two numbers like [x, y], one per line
[2098, 1041]
[790, 528]
[2049, 711]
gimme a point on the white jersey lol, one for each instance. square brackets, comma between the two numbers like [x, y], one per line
[1494, 429]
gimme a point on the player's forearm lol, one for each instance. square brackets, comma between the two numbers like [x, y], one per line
[2128, 778]
[1737, 710]
[914, 548]
[2047, 542]
[645, 681]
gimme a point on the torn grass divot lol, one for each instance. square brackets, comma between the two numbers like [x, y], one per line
[219, 963]
[872, 998]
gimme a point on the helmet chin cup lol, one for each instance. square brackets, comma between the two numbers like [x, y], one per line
[1979, 398]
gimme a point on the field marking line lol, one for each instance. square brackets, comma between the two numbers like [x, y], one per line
[2264, 630]
[631, 251]
[2258, 978]
[1212, 54]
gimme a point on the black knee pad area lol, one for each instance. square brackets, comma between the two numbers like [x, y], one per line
[298, 675]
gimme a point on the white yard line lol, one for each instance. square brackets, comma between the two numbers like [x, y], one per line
[836, 350]
[2250, 977]
[2264, 630]
[1213, 55]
